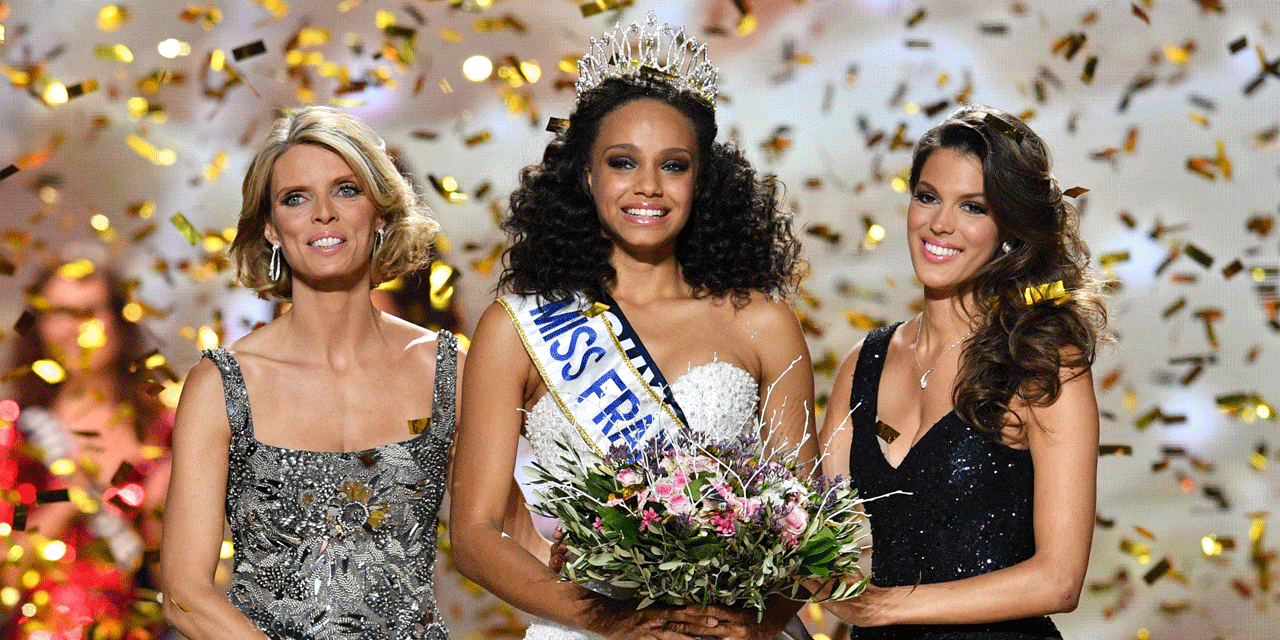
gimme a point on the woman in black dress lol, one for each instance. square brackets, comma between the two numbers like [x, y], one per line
[982, 407]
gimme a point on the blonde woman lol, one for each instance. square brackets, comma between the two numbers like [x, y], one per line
[322, 437]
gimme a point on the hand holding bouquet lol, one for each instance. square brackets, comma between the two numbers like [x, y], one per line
[692, 521]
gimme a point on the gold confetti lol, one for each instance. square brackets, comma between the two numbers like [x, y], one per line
[1142, 15]
[916, 18]
[600, 6]
[184, 227]
[483, 136]
[596, 309]
[161, 157]
[25, 322]
[1195, 253]
[1090, 66]
[886, 432]
[111, 17]
[1115, 450]
[249, 50]
[419, 425]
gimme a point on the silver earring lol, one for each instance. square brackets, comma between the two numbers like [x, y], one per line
[377, 240]
[1007, 247]
[273, 265]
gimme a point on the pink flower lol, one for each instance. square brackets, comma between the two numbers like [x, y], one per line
[628, 477]
[598, 525]
[680, 504]
[796, 521]
[648, 517]
[680, 479]
[664, 491]
[723, 522]
[790, 540]
[615, 499]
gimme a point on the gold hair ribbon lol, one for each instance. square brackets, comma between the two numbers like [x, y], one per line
[1053, 291]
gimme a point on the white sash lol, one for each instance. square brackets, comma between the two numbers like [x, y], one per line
[595, 368]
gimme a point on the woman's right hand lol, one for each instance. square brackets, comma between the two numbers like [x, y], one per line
[619, 621]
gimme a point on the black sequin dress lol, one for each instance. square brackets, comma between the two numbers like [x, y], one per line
[969, 511]
[338, 545]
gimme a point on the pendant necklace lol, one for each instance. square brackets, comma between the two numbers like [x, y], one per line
[924, 377]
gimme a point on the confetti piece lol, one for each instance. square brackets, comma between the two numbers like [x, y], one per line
[1090, 66]
[919, 44]
[916, 18]
[483, 136]
[20, 513]
[184, 227]
[823, 231]
[993, 28]
[52, 496]
[886, 432]
[1069, 45]
[1158, 571]
[1232, 269]
[8, 171]
[25, 322]
[1001, 125]
[1115, 450]
[248, 50]
[1136, 549]
[1238, 44]
[1075, 192]
[1142, 15]
[419, 425]
[111, 17]
[557, 125]
[1195, 253]
[600, 6]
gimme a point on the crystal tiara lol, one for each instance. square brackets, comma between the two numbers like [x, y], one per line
[649, 49]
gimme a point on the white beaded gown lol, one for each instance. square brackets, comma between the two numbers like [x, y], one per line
[718, 399]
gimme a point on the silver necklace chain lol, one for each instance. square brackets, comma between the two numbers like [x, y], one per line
[924, 374]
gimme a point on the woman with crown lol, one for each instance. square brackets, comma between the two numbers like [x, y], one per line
[977, 419]
[644, 288]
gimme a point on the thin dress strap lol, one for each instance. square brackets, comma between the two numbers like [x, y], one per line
[233, 390]
[866, 376]
[443, 414]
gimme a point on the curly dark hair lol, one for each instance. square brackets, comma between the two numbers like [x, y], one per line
[1018, 349]
[738, 237]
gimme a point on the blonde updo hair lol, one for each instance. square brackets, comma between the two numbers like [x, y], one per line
[409, 229]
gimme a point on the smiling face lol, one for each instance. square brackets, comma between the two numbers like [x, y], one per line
[642, 171]
[321, 217]
[950, 228]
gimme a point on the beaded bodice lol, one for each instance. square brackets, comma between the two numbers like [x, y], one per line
[333, 545]
[718, 399]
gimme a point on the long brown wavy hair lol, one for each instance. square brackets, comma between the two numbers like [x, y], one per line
[1018, 349]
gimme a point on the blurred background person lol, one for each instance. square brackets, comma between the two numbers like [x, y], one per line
[91, 424]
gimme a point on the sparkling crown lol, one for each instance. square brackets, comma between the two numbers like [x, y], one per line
[653, 50]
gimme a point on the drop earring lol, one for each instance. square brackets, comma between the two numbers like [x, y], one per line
[377, 240]
[1006, 247]
[273, 264]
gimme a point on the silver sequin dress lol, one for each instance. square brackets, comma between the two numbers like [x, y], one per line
[338, 545]
[718, 399]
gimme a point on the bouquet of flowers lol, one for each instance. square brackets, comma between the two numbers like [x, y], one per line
[693, 521]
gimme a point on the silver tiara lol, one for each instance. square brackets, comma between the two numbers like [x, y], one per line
[649, 49]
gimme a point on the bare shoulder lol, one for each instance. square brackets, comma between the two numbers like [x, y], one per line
[763, 310]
